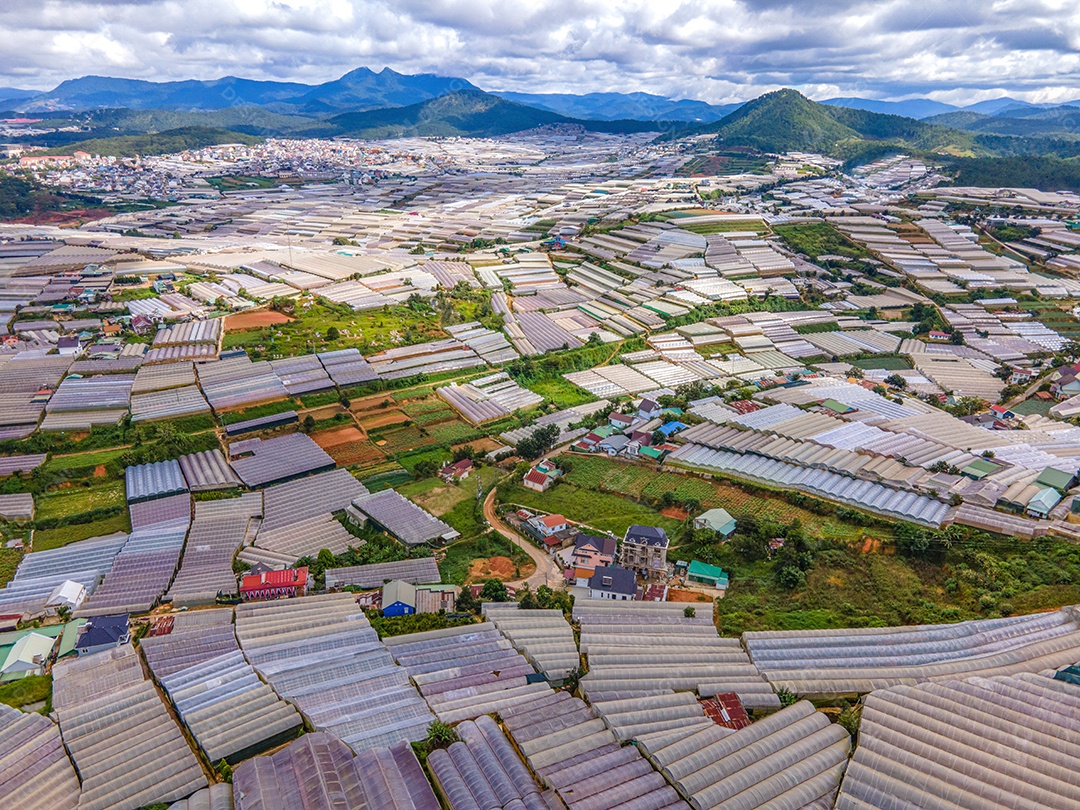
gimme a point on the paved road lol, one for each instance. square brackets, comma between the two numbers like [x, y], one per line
[547, 570]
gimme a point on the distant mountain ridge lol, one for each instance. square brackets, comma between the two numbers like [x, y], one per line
[613, 106]
[787, 121]
[359, 89]
[465, 113]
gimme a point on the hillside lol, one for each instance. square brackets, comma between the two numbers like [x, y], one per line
[1018, 121]
[465, 113]
[785, 121]
[159, 143]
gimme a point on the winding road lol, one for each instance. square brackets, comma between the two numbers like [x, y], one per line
[547, 571]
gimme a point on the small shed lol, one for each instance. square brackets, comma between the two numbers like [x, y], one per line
[398, 598]
[1043, 501]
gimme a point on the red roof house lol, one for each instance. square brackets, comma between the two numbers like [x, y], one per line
[275, 584]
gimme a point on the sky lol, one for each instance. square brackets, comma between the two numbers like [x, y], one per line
[956, 51]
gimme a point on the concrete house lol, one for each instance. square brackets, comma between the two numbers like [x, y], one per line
[26, 657]
[398, 598]
[543, 526]
[103, 633]
[592, 552]
[644, 549]
[613, 582]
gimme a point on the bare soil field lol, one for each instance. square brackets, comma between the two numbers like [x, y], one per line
[254, 320]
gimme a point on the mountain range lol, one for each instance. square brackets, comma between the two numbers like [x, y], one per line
[364, 89]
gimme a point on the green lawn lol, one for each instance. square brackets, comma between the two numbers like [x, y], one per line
[466, 517]
[819, 239]
[23, 692]
[597, 509]
[454, 567]
[55, 538]
[75, 500]
[1033, 406]
[259, 411]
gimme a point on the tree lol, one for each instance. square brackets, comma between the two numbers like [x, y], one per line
[896, 381]
[332, 333]
[494, 590]
[425, 469]
[440, 735]
[466, 602]
[956, 337]
[539, 442]
[689, 612]
[309, 423]
[224, 771]
[855, 372]
[594, 339]
[528, 600]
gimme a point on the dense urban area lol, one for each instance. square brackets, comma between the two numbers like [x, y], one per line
[564, 469]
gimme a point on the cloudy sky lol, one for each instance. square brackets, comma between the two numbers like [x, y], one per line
[956, 51]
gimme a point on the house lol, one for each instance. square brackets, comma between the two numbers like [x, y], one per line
[613, 445]
[103, 633]
[1023, 376]
[1060, 480]
[398, 598]
[644, 549]
[712, 576]
[1067, 384]
[1043, 501]
[592, 551]
[28, 656]
[938, 336]
[68, 346]
[671, 428]
[1001, 412]
[543, 526]
[283, 584]
[717, 520]
[979, 469]
[648, 409]
[620, 421]
[536, 480]
[458, 471]
[436, 598]
[613, 582]
[653, 453]
[68, 594]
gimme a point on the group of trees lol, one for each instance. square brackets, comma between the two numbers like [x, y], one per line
[546, 599]
[538, 442]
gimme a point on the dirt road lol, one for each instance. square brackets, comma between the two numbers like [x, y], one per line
[547, 570]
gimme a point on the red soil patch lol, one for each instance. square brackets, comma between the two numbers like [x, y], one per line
[355, 453]
[329, 438]
[675, 512]
[676, 595]
[99, 471]
[254, 320]
[496, 568]
[382, 419]
[75, 216]
[485, 445]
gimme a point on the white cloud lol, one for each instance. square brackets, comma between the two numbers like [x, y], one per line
[716, 50]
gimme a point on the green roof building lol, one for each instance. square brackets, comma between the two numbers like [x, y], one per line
[1058, 479]
[979, 469]
[704, 574]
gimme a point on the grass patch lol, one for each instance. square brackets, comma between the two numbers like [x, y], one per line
[59, 503]
[387, 626]
[370, 332]
[819, 239]
[454, 567]
[1034, 406]
[26, 691]
[887, 362]
[606, 512]
[45, 539]
[410, 460]
[386, 479]
[467, 517]
[562, 392]
[259, 411]
[435, 496]
[9, 561]
[84, 460]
